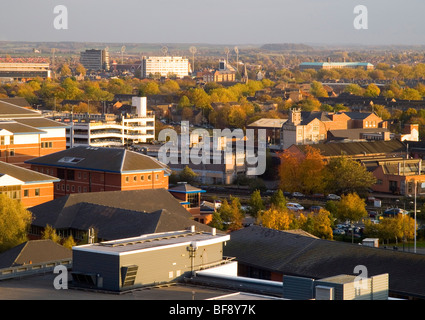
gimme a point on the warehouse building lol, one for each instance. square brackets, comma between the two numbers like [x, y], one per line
[146, 260]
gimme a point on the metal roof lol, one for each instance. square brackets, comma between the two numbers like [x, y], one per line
[154, 241]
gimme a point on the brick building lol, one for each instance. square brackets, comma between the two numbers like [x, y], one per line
[29, 187]
[26, 134]
[92, 169]
[305, 127]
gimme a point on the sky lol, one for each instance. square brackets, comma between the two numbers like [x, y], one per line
[389, 22]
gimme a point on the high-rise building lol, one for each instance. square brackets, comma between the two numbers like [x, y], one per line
[164, 66]
[95, 60]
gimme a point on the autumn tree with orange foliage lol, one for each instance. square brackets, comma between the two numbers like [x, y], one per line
[302, 174]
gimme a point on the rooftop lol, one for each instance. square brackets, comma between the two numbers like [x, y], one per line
[150, 241]
[118, 160]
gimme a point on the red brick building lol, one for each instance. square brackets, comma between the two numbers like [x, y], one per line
[92, 169]
[26, 134]
[29, 187]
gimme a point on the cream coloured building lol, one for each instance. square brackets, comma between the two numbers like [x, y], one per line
[164, 66]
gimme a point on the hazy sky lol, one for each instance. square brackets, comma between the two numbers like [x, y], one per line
[216, 21]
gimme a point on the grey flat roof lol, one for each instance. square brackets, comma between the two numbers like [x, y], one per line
[152, 241]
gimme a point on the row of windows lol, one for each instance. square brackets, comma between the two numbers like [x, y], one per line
[4, 153]
[70, 188]
[15, 192]
[46, 145]
[142, 178]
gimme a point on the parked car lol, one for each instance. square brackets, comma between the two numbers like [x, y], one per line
[294, 206]
[338, 231]
[297, 195]
[332, 196]
[316, 208]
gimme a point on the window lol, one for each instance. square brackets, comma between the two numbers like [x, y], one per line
[135, 178]
[157, 176]
[37, 192]
[2, 140]
[142, 178]
[193, 198]
[126, 179]
[26, 193]
[12, 152]
[79, 188]
[149, 177]
[12, 140]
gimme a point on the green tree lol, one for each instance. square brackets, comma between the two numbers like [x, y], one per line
[14, 223]
[278, 200]
[184, 102]
[372, 91]
[317, 90]
[355, 89]
[345, 175]
[187, 175]
[256, 204]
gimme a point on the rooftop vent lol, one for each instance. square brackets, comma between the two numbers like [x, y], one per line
[71, 159]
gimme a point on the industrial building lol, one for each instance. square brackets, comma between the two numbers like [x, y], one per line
[146, 260]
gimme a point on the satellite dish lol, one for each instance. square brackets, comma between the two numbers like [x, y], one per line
[164, 50]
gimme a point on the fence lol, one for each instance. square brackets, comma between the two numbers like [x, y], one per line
[32, 269]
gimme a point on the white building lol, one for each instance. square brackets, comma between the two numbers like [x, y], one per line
[164, 66]
[108, 131]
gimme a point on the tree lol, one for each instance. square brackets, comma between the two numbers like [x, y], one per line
[275, 218]
[65, 71]
[345, 175]
[50, 233]
[278, 200]
[256, 204]
[351, 207]
[317, 90]
[79, 69]
[319, 224]
[303, 174]
[355, 89]
[14, 223]
[231, 214]
[372, 91]
[69, 242]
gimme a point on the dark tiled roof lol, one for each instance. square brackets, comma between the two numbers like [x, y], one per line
[358, 148]
[358, 115]
[24, 174]
[298, 255]
[40, 123]
[185, 188]
[18, 101]
[34, 251]
[116, 214]
[308, 116]
[9, 110]
[100, 159]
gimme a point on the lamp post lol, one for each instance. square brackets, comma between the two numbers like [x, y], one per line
[414, 245]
